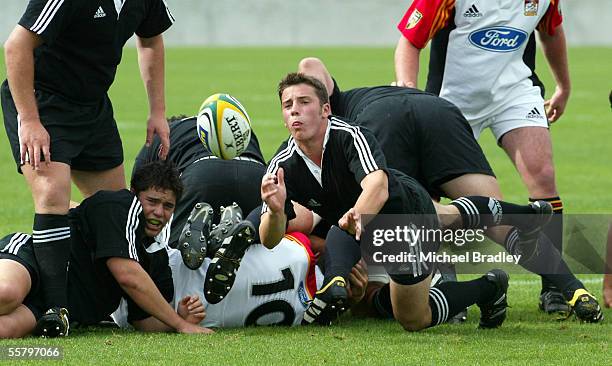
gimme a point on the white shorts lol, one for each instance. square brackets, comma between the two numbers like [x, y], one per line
[517, 116]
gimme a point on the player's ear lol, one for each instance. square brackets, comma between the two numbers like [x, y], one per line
[326, 110]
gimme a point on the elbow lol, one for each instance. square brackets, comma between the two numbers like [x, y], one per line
[309, 63]
[126, 280]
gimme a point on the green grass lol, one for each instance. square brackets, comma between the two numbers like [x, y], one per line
[582, 154]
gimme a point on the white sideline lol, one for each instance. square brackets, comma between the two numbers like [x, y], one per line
[538, 282]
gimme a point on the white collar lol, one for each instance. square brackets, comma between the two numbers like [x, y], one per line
[312, 166]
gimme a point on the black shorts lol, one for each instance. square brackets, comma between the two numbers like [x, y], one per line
[19, 248]
[411, 208]
[82, 136]
[430, 141]
[219, 183]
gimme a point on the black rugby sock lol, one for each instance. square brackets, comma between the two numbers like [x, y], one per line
[51, 237]
[554, 230]
[342, 252]
[445, 300]
[450, 298]
[381, 301]
[478, 212]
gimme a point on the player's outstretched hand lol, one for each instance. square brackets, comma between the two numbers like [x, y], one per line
[34, 138]
[358, 282]
[555, 106]
[273, 191]
[351, 223]
[188, 328]
[191, 309]
[159, 126]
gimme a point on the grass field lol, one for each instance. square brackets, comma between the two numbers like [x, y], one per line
[582, 156]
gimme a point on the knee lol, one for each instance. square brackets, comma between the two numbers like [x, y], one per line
[543, 176]
[10, 298]
[49, 199]
[309, 63]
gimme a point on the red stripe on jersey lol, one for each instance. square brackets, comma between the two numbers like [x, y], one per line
[311, 276]
[551, 19]
[423, 19]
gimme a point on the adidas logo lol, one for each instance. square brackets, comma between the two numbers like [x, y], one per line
[313, 203]
[472, 12]
[99, 13]
[535, 113]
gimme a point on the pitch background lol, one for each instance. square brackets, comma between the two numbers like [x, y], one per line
[582, 155]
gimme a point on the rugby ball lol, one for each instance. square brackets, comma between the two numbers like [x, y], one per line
[224, 126]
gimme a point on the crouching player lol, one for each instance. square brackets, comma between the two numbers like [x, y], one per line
[112, 233]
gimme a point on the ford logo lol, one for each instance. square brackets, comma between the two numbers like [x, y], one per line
[498, 39]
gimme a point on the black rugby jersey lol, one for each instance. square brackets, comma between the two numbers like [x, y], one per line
[83, 41]
[186, 147]
[110, 224]
[350, 153]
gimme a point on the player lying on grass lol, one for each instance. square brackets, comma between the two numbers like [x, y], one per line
[427, 138]
[338, 171]
[113, 254]
[271, 287]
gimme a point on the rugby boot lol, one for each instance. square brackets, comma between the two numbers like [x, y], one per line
[553, 302]
[229, 216]
[328, 304]
[493, 312]
[193, 241]
[527, 243]
[586, 307]
[54, 323]
[222, 270]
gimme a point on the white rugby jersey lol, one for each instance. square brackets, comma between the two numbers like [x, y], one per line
[272, 286]
[483, 70]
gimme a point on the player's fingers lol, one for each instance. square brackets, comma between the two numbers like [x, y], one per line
[36, 156]
[23, 153]
[149, 138]
[165, 146]
[185, 300]
[46, 154]
[358, 232]
[280, 175]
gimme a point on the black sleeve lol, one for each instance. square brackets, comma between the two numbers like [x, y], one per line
[158, 19]
[337, 101]
[114, 227]
[160, 273]
[362, 152]
[47, 18]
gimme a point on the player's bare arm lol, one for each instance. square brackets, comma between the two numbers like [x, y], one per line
[140, 287]
[375, 193]
[314, 67]
[406, 63]
[151, 63]
[555, 50]
[274, 221]
[19, 56]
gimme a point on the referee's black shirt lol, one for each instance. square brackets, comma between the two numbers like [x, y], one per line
[350, 153]
[83, 41]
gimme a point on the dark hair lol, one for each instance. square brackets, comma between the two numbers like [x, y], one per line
[160, 174]
[297, 78]
[176, 118]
